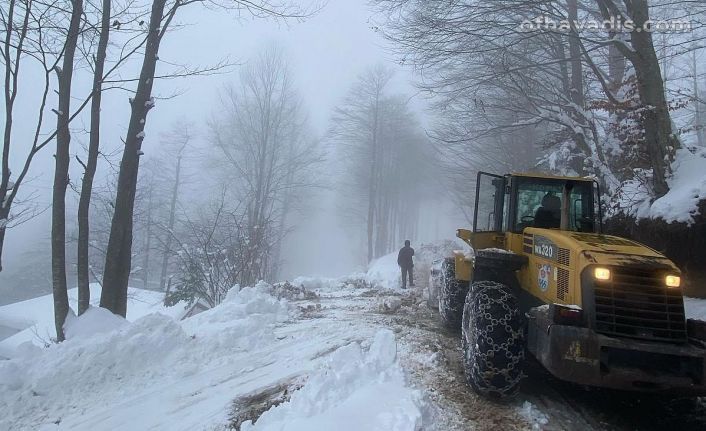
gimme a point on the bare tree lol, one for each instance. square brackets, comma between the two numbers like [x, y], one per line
[211, 254]
[34, 35]
[84, 204]
[385, 160]
[29, 35]
[119, 256]
[266, 155]
[358, 120]
[61, 172]
[179, 139]
[482, 64]
[698, 121]
[660, 141]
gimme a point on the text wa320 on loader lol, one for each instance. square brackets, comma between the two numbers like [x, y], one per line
[593, 309]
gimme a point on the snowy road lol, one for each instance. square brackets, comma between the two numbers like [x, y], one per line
[432, 358]
[324, 358]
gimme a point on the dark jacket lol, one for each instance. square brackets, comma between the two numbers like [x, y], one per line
[404, 258]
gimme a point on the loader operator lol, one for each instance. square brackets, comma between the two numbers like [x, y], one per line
[548, 215]
[404, 260]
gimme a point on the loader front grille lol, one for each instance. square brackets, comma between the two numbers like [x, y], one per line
[562, 284]
[636, 303]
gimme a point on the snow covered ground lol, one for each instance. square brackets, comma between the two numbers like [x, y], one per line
[267, 358]
[157, 372]
[33, 320]
[687, 187]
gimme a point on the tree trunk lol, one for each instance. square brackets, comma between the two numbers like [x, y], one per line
[148, 241]
[10, 92]
[371, 211]
[61, 173]
[698, 125]
[373, 188]
[659, 139]
[84, 203]
[4, 217]
[118, 257]
[660, 142]
[170, 227]
[576, 90]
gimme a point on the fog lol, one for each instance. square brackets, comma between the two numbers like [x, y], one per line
[313, 139]
[325, 52]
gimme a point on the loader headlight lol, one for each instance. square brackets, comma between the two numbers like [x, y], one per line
[601, 273]
[672, 281]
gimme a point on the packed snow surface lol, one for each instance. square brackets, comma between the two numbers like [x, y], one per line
[533, 415]
[353, 391]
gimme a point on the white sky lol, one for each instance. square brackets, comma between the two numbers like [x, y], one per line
[326, 54]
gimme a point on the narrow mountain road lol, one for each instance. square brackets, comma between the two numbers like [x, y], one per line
[431, 356]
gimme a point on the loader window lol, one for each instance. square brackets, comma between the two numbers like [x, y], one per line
[539, 202]
[490, 199]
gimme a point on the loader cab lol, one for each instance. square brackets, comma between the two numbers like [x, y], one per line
[508, 204]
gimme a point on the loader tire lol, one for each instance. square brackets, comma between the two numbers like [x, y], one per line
[493, 340]
[432, 292]
[452, 294]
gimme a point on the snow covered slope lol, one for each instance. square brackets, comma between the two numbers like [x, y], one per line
[686, 188]
[34, 318]
[159, 373]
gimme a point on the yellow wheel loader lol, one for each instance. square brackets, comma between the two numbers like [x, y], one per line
[593, 309]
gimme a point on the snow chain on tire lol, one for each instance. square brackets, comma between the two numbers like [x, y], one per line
[493, 340]
[452, 294]
[433, 290]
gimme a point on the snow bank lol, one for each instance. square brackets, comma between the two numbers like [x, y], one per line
[384, 272]
[686, 188]
[34, 318]
[353, 391]
[95, 320]
[427, 253]
[695, 308]
[105, 363]
[317, 283]
[117, 358]
[242, 321]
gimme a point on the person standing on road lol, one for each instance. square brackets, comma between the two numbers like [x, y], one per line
[404, 260]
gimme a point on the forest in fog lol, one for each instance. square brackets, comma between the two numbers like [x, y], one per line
[191, 205]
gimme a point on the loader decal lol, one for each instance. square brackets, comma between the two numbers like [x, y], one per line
[543, 272]
[544, 247]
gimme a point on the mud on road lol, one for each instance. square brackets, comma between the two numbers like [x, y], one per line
[543, 403]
